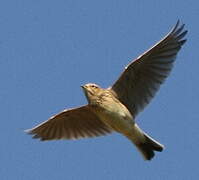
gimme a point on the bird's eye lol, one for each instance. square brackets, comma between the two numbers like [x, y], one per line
[93, 86]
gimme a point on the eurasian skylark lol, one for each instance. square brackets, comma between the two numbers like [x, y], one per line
[115, 108]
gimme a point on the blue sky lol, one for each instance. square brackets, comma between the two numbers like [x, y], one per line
[49, 48]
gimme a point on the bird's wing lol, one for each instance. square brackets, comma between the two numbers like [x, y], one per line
[71, 124]
[141, 79]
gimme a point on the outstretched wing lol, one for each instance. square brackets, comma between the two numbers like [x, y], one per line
[71, 124]
[141, 79]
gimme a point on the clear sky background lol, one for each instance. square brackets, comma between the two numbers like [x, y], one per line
[49, 48]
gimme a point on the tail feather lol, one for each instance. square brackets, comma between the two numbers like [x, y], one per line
[148, 147]
[144, 143]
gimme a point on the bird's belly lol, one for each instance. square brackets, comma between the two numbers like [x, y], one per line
[118, 118]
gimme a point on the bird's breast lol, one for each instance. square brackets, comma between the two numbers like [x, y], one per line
[115, 115]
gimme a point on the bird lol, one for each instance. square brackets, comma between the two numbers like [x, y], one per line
[115, 108]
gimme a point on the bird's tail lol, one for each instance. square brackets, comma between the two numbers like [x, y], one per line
[144, 143]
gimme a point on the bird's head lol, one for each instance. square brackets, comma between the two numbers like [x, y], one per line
[92, 91]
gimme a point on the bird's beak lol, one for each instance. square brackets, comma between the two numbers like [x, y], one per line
[84, 89]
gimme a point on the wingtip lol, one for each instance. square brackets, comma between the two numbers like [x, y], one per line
[34, 136]
[176, 25]
[179, 32]
[27, 131]
[178, 22]
[30, 132]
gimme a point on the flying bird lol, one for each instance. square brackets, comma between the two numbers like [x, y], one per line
[114, 109]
